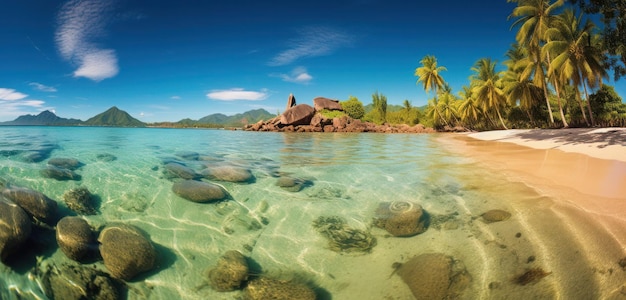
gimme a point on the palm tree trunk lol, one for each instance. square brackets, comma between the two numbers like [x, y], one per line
[500, 117]
[582, 109]
[593, 122]
[543, 84]
[558, 100]
[439, 112]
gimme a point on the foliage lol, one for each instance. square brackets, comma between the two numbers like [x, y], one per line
[379, 114]
[607, 105]
[408, 115]
[330, 114]
[353, 107]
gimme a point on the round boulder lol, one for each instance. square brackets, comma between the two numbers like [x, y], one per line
[33, 202]
[434, 276]
[125, 251]
[401, 218]
[495, 215]
[229, 273]
[15, 227]
[228, 173]
[60, 174]
[290, 183]
[80, 200]
[199, 191]
[174, 170]
[65, 163]
[75, 282]
[266, 288]
[74, 237]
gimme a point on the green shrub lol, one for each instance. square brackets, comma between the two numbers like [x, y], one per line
[330, 114]
[353, 108]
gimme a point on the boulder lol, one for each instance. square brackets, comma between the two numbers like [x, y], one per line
[230, 272]
[291, 102]
[188, 155]
[59, 173]
[322, 103]
[75, 238]
[199, 191]
[33, 202]
[401, 218]
[80, 200]
[300, 114]
[495, 215]
[175, 170]
[65, 163]
[15, 227]
[75, 282]
[434, 276]
[106, 157]
[263, 288]
[126, 251]
[228, 173]
[291, 184]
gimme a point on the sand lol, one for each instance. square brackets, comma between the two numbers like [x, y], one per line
[575, 224]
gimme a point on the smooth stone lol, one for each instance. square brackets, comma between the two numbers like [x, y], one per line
[290, 183]
[434, 276]
[75, 282]
[230, 272]
[74, 237]
[495, 215]
[59, 173]
[125, 251]
[174, 170]
[15, 227]
[401, 218]
[188, 155]
[35, 156]
[65, 163]
[106, 157]
[33, 202]
[80, 200]
[228, 173]
[266, 288]
[199, 191]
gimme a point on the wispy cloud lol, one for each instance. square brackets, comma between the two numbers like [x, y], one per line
[175, 97]
[14, 104]
[80, 22]
[11, 94]
[297, 75]
[41, 87]
[311, 42]
[237, 94]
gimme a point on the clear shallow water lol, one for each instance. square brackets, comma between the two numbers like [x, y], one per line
[349, 175]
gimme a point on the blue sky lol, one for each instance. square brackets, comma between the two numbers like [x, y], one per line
[168, 60]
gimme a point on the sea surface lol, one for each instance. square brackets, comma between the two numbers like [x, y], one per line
[346, 176]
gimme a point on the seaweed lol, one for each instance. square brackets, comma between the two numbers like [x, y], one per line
[343, 238]
[531, 276]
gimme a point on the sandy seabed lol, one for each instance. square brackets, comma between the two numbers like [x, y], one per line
[576, 224]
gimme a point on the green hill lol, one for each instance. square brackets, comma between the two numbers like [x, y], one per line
[114, 117]
[44, 118]
[238, 120]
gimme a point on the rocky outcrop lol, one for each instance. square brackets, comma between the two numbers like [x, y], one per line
[230, 272]
[291, 102]
[75, 238]
[80, 200]
[35, 203]
[300, 114]
[15, 227]
[321, 103]
[74, 282]
[126, 251]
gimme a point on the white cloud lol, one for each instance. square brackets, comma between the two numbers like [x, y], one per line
[11, 94]
[80, 22]
[44, 88]
[313, 41]
[298, 75]
[237, 94]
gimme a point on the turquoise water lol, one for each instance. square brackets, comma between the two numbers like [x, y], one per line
[347, 175]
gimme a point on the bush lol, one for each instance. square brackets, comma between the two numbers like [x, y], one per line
[353, 108]
[330, 114]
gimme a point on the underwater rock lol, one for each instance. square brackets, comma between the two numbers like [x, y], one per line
[228, 173]
[266, 288]
[434, 276]
[15, 227]
[126, 251]
[199, 191]
[531, 276]
[401, 218]
[106, 157]
[188, 155]
[229, 273]
[343, 238]
[80, 200]
[75, 282]
[35, 203]
[174, 170]
[36, 156]
[65, 163]
[74, 237]
[59, 173]
[495, 215]
[291, 184]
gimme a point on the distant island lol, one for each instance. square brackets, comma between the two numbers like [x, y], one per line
[115, 117]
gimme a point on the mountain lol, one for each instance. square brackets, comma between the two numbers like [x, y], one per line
[114, 117]
[44, 118]
[238, 120]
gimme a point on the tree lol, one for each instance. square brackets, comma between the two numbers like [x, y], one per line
[487, 86]
[534, 18]
[379, 114]
[353, 107]
[428, 75]
[469, 110]
[518, 89]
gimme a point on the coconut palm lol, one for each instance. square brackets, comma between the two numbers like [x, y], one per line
[576, 59]
[428, 75]
[469, 110]
[518, 89]
[534, 18]
[487, 87]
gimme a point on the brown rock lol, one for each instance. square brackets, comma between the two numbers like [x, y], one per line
[125, 251]
[300, 114]
[401, 218]
[15, 227]
[434, 276]
[328, 128]
[229, 273]
[199, 191]
[322, 103]
[495, 215]
[291, 102]
[33, 202]
[74, 237]
[340, 123]
[265, 288]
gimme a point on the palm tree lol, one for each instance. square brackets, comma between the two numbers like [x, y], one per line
[469, 110]
[576, 59]
[407, 105]
[447, 107]
[534, 18]
[518, 89]
[487, 86]
[428, 75]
